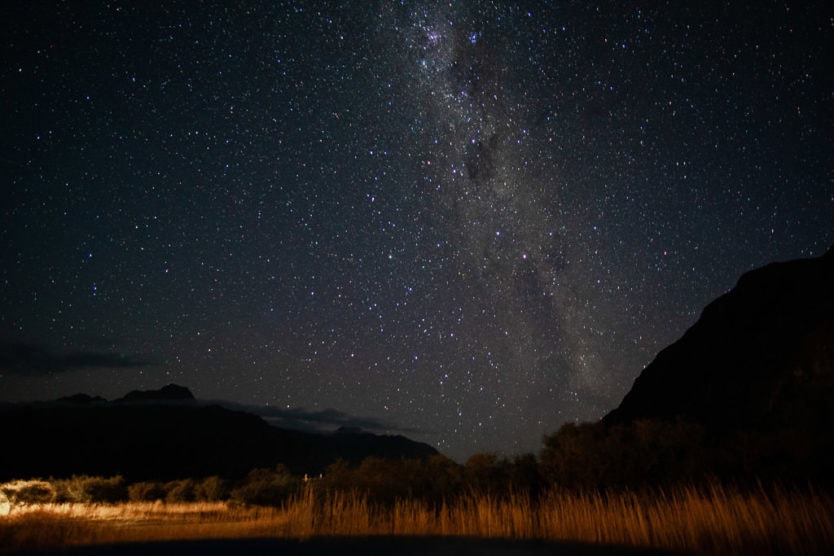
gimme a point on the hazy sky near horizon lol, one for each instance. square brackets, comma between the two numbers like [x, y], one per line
[471, 221]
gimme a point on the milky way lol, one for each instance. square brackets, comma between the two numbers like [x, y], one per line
[498, 211]
[466, 221]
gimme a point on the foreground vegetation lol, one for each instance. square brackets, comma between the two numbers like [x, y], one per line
[711, 520]
[638, 485]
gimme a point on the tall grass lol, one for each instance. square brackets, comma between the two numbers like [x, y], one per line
[713, 520]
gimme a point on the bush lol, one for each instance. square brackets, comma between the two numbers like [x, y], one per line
[106, 490]
[148, 491]
[637, 454]
[487, 473]
[180, 491]
[525, 476]
[441, 479]
[70, 490]
[86, 490]
[29, 492]
[5, 504]
[64, 491]
[211, 489]
[266, 487]
[384, 481]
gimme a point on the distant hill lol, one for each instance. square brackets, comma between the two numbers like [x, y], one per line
[81, 399]
[165, 436]
[755, 374]
[172, 392]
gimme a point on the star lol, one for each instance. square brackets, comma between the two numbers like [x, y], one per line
[473, 221]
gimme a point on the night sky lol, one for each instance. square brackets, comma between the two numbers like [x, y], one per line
[468, 222]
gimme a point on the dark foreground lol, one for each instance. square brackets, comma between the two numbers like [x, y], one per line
[371, 546]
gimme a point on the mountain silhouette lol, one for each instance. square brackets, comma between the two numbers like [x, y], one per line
[172, 392]
[81, 399]
[756, 372]
[168, 436]
[762, 354]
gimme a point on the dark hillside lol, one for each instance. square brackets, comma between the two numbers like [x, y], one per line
[761, 355]
[746, 394]
[146, 440]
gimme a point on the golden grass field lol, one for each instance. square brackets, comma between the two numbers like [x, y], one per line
[713, 520]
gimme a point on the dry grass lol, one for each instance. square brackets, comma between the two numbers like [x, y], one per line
[50, 525]
[714, 520]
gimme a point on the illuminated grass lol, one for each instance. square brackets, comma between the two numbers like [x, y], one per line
[714, 520]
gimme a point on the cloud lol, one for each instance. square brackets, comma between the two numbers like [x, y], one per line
[318, 421]
[22, 359]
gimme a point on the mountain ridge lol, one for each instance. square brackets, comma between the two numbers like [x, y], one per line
[750, 348]
[167, 434]
[745, 395]
[171, 392]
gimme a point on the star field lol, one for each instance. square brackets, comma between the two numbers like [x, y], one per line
[468, 221]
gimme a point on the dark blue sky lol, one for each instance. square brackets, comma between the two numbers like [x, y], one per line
[469, 221]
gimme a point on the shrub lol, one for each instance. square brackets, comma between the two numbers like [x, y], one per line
[487, 473]
[5, 504]
[525, 477]
[105, 490]
[180, 491]
[385, 481]
[211, 489]
[83, 489]
[266, 487]
[440, 479]
[148, 491]
[636, 454]
[70, 490]
[29, 492]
